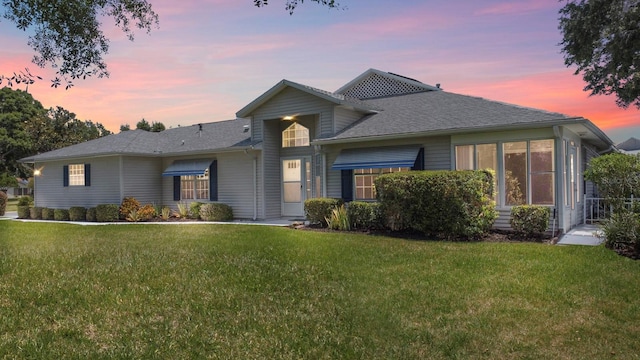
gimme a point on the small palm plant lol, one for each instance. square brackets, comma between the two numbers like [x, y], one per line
[339, 220]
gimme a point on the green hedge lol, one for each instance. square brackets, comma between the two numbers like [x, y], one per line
[451, 204]
[47, 214]
[363, 215]
[107, 212]
[36, 213]
[319, 209]
[216, 212]
[194, 209]
[61, 215]
[530, 219]
[77, 213]
[91, 214]
[24, 212]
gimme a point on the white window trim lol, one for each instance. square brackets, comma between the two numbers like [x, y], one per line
[76, 175]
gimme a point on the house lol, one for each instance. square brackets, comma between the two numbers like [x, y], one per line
[630, 146]
[21, 190]
[296, 142]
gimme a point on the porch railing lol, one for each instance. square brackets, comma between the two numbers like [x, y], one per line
[597, 210]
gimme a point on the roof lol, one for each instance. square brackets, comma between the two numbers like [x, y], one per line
[631, 144]
[199, 138]
[440, 112]
[335, 98]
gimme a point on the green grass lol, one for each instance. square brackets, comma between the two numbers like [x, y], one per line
[12, 205]
[240, 292]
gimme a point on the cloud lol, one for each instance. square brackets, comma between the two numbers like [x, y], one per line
[516, 7]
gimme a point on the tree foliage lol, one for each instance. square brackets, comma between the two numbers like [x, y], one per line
[290, 5]
[27, 128]
[125, 127]
[143, 125]
[157, 127]
[616, 175]
[67, 35]
[17, 108]
[602, 38]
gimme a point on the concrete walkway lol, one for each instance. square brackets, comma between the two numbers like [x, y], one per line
[582, 235]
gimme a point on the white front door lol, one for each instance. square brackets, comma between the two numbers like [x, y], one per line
[294, 185]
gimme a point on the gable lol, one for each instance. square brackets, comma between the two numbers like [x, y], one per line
[376, 84]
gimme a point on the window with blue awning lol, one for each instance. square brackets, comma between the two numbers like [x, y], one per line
[188, 167]
[378, 157]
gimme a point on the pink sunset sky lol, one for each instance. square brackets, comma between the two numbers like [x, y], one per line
[208, 59]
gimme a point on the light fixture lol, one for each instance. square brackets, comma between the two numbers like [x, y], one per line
[288, 118]
[37, 172]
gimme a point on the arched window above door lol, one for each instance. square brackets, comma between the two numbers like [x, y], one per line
[295, 135]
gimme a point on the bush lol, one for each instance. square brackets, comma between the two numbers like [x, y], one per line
[318, 210]
[91, 214]
[24, 212]
[25, 201]
[363, 215]
[77, 213]
[183, 210]
[3, 202]
[339, 220]
[107, 212]
[36, 213]
[147, 212]
[216, 212]
[165, 213]
[128, 205]
[61, 215]
[194, 210]
[623, 229]
[452, 204]
[530, 219]
[47, 214]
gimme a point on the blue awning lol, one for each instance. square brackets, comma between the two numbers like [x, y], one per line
[188, 167]
[375, 158]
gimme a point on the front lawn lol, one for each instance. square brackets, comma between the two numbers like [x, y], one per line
[240, 292]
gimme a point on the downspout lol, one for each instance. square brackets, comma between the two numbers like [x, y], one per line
[558, 211]
[255, 187]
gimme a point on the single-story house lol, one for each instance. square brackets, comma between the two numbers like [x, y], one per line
[296, 142]
[630, 146]
[16, 191]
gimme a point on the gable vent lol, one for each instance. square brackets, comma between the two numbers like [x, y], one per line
[376, 85]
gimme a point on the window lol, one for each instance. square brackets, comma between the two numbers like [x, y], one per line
[295, 135]
[76, 175]
[515, 172]
[478, 157]
[527, 172]
[364, 179]
[194, 187]
[529, 168]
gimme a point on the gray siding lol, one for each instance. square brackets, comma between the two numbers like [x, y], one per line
[142, 179]
[104, 189]
[437, 153]
[295, 102]
[344, 117]
[271, 170]
[235, 183]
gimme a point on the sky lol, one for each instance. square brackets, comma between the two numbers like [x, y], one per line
[210, 58]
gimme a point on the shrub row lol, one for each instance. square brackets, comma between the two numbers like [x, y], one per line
[530, 220]
[456, 204]
[129, 210]
[452, 204]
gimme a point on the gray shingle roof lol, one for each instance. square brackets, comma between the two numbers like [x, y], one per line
[215, 136]
[440, 111]
[630, 144]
